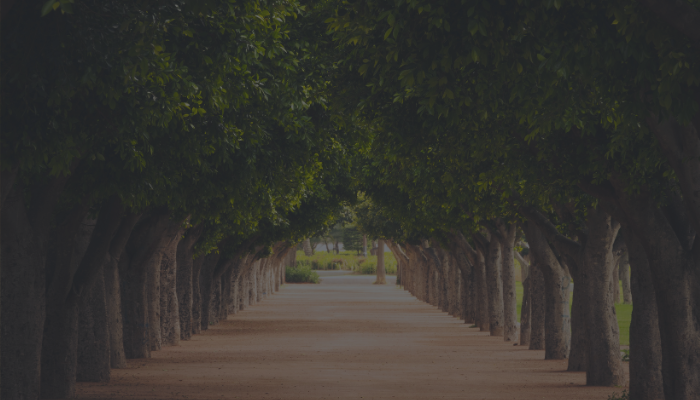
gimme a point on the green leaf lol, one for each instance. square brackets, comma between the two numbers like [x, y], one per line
[363, 68]
[388, 32]
[49, 6]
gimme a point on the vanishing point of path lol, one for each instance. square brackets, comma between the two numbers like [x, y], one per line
[344, 339]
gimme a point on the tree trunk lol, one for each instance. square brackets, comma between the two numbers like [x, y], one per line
[59, 350]
[24, 248]
[556, 292]
[525, 308]
[466, 258]
[495, 287]
[170, 330]
[616, 283]
[579, 330]
[117, 358]
[244, 282]
[625, 278]
[144, 254]
[482, 292]
[93, 334]
[184, 259]
[23, 301]
[306, 244]
[206, 282]
[60, 342]
[226, 294]
[381, 271]
[197, 265]
[537, 306]
[604, 366]
[646, 377]
[153, 298]
[510, 301]
[673, 254]
[117, 260]
[80, 247]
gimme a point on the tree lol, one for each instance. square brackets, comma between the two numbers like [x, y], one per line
[352, 239]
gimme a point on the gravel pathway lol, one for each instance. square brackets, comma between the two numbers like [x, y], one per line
[344, 339]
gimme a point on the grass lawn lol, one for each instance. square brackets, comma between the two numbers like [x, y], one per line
[352, 260]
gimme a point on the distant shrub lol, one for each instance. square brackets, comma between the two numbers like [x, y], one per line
[370, 268]
[626, 355]
[301, 275]
[623, 396]
[323, 265]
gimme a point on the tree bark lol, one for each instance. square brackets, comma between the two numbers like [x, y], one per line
[111, 269]
[645, 368]
[23, 301]
[153, 300]
[170, 330]
[556, 292]
[93, 334]
[143, 249]
[79, 250]
[197, 265]
[510, 302]
[482, 291]
[381, 271]
[604, 366]
[60, 341]
[537, 306]
[616, 283]
[306, 245]
[495, 286]
[672, 252]
[525, 308]
[117, 358]
[206, 282]
[578, 359]
[625, 278]
[466, 259]
[185, 261]
[595, 259]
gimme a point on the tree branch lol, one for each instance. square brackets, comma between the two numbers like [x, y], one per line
[563, 244]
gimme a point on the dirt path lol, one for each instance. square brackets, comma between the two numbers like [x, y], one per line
[344, 339]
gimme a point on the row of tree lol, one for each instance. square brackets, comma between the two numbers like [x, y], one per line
[577, 122]
[159, 161]
[254, 122]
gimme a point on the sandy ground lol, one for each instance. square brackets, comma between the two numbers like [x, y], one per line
[344, 339]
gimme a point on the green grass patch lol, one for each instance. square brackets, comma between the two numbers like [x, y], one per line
[624, 317]
[301, 275]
